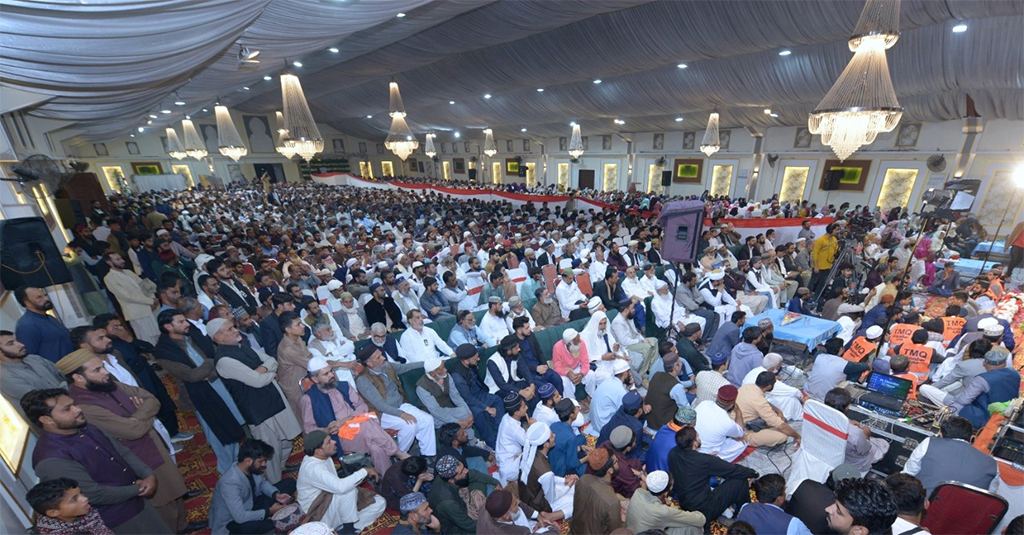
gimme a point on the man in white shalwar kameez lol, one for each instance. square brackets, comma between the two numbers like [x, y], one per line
[511, 438]
[318, 475]
[559, 492]
[607, 396]
[419, 343]
[715, 295]
[665, 316]
[788, 399]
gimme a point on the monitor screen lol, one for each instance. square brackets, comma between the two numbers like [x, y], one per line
[889, 385]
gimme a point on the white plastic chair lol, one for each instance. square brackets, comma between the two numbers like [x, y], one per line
[823, 444]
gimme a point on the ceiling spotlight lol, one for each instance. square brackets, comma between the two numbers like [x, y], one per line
[245, 88]
[204, 109]
[131, 135]
[400, 15]
[151, 116]
[785, 52]
[619, 121]
[451, 102]
[165, 112]
[268, 77]
[369, 117]
[682, 66]
[141, 129]
[487, 95]
[333, 50]
[767, 111]
[573, 123]
[456, 134]
[773, 115]
[679, 119]
[150, 121]
[522, 130]
[297, 64]
[246, 55]
[960, 28]
[540, 89]
[178, 101]
[597, 81]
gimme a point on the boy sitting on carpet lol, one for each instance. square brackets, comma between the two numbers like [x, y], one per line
[64, 510]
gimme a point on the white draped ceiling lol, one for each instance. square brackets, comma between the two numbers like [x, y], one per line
[108, 64]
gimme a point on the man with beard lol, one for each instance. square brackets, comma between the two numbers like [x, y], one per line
[358, 285]
[334, 407]
[234, 291]
[382, 309]
[200, 388]
[117, 482]
[446, 496]
[632, 414]
[493, 323]
[136, 297]
[126, 413]
[539, 487]
[692, 299]
[249, 377]
[209, 294]
[417, 516]
[318, 482]
[350, 318]
[21, 373]
[380, 387]
[625, 330]
[532, 356]
[41, 333]
[270, 327]
[243, 500]
[546, 312]
[484, 405]
[509, 373]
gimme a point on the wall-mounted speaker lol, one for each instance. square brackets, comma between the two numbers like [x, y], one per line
[666, 178]
[832, 178]
[29, 256]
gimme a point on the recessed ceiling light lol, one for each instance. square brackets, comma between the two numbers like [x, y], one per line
[682, 66]
[131, 135]
[679, 119]
[451, 102]
[408, 138]
[540, 89]
[767, 111]
[149, 121]
[268, 77]
[619, 121]
[245, 87]
[369, 117]
[960, 28]
[522, 130]
[141, 129]
[456, 134]
[573, 123]
[773, 115]
[151, 116]
[487, 95]
[597, 80]
[333, 50]
[204, 109]
[400, 15]
[785, 52]
[297, 63]
[179, 102]
[165, 111]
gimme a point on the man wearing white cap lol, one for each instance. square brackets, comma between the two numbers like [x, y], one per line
[568, 293]
[667, 314]
[438, 394]
[848, 324]
[540, 488]
[788, 399]
[419, 343]
[649, 509]
[404, 297]
[712, 289]
[334, 288]
[332, 406]
[608, 396]
[865, 348]
[250, 378]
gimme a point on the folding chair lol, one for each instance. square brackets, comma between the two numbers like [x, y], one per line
[823, 446]
[958, 508]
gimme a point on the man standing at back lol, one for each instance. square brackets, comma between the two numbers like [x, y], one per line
[137, 297]
[42, 334]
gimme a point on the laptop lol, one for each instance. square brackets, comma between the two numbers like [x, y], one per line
[885, 394]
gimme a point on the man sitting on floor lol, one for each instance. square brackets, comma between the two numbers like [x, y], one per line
[328, 498]
[243, 501]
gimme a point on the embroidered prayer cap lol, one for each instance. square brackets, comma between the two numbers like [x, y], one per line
[411, 501]
[545, 391]
[657, 481]
[686, 415]
[75, 360]
[447, 466]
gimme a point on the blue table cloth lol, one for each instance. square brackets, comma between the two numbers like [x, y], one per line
[969, 268]
[982, 248]
[807, 330]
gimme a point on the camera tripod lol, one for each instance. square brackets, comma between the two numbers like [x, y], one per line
[845, 255]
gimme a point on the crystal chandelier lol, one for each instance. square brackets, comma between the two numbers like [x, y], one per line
[194, 145]
[429, 149]
[400, 139]
[862, 102]
[576, 142]
[228, 141]
[174, 148]
[303, 135]
[711, 142]
[490, 149]
[282, 138]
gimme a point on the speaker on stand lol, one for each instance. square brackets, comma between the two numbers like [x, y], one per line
[29, 256]
[832, 179]
[666, 178]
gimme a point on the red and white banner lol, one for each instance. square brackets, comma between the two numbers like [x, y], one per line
[786, 230]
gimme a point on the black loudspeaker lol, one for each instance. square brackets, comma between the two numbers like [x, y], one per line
[29, 256]
[666, 178]
[472, 174]
[683, 222]
[832, 178]
[522, 171]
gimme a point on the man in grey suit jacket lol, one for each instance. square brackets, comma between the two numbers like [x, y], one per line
[243, 501]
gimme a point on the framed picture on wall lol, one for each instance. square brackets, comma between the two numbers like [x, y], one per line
[526, 145]
[563, 144]
[412, 164]
[362, 148]
[855, 174]
[659, 142]
[508, 146]
[465, 147]
[338, 145]
[511, 167]
[261, 139]
[455, 148]
[724, 137]
[802, 140]
[688, 140]
[380, 148]
[606, 142]
[907, 136]
[459, 165]
[101, 149]
[419, 165]
[586, 142]
[209, 132]
[147, 168]
[133, 147]
[687, 171]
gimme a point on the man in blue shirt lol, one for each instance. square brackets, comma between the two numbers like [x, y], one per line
[42, 334]
[665, 438]
[486, 407]
[531, 354]
[798, 303]
[569, 443]
[767, 515]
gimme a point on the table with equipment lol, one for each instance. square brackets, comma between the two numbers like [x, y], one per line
[797, 339]
[916, 422]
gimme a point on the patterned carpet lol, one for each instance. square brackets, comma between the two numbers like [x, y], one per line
[198, 463]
